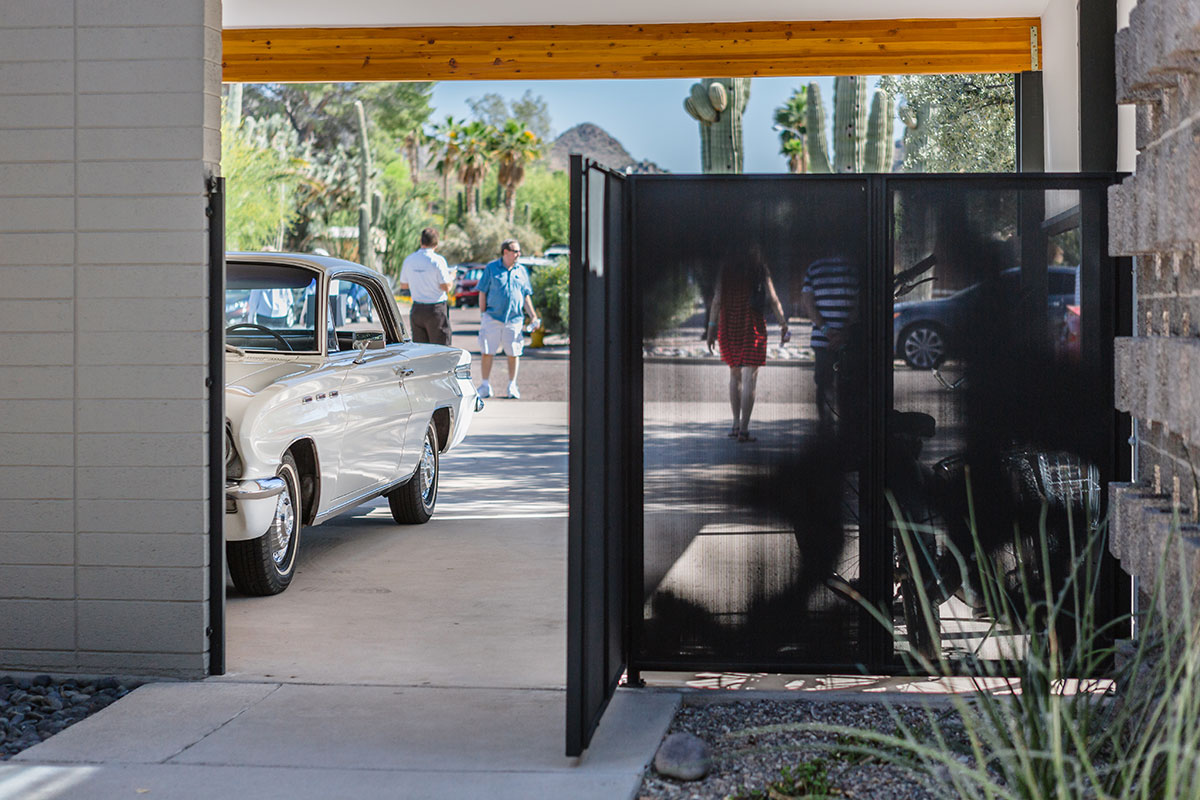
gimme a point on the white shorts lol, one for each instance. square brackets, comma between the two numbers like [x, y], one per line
[495, 336]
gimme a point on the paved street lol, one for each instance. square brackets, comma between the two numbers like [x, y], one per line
[544, 373]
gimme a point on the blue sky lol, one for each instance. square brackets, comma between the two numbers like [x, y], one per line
[646, 116]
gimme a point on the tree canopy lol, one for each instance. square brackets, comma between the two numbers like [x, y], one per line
[956, 123]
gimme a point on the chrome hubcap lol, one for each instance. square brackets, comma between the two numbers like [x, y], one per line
[283, 526]
[923, 347]
[428, 472]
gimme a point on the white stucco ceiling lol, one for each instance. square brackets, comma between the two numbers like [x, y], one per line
[323, 13]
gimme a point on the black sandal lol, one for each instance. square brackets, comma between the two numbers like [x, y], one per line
[745, 436]
[735, 433]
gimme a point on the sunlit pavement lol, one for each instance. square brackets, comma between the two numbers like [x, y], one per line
[404, 661]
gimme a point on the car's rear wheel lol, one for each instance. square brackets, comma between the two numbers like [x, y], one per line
[412, 503]
[923, 346]
[265, 566]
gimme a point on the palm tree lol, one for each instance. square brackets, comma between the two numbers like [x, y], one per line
[413, 140]
[447, 140]
[789, 121]
[797, 155]
[516, 146]
[477, 148]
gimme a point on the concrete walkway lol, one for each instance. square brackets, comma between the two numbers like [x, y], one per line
[403, 662]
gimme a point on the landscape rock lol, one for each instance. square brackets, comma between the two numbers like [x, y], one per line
[683, 757]
[33, 710]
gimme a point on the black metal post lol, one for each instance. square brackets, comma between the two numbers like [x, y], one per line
[874, 542]
[216, 426]
[1031, 122]
[635, 548]
[576, 426]
[1097, 86]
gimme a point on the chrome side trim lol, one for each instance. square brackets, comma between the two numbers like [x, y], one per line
[255, 489]
[370, 494]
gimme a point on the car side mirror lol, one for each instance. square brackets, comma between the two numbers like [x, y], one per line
[364, 341]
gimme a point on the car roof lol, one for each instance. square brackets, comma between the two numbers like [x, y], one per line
[325, 264]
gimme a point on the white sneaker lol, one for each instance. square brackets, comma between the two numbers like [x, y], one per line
[512, 391]
[485, 390]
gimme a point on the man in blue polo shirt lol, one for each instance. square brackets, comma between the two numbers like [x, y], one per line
[504, 301]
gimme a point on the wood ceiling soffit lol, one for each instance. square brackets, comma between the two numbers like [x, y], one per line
[547, 52]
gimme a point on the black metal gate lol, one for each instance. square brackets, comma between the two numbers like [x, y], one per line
[602, 374]
[969, 321]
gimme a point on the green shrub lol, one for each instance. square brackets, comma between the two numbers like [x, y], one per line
[552, 295]
[479, 236]
[669, 298]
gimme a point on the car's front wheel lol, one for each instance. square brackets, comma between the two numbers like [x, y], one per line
[923, 346]
[265, 565]
[412, 502]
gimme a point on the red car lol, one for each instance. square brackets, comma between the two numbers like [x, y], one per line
[465, 283]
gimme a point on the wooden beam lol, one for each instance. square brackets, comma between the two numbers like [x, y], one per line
[546, 52]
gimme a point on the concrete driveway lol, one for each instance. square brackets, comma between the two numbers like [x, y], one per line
[403, 662]
[475, 597]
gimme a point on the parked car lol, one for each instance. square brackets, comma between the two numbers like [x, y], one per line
[926, 332]
[329, 408]
[557, 251]
[237, 307]
[533, 263]
[466, 279]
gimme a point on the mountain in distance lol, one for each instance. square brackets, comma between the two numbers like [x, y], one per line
[597, 144]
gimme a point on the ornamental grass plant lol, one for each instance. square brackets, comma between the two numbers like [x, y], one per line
[1084, 715]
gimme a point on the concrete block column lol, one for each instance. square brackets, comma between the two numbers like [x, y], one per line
[111, 129]
[1155, 216]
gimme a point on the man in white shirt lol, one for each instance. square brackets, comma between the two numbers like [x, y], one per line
[270, 307]
[427, 278]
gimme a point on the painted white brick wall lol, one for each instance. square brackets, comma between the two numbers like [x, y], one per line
[110, 130]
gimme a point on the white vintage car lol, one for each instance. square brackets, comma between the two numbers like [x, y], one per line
[329, 403]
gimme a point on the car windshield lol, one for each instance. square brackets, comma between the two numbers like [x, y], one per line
[269, 307]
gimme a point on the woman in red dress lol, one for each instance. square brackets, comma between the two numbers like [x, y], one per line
[736, 323]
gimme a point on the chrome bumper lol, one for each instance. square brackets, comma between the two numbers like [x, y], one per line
[257, 489]
[478, 403]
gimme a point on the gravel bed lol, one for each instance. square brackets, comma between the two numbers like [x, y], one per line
[34, 709]
[748, 753]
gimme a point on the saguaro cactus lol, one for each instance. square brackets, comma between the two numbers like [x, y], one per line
[861, 143]
[877, 157]
[916, 135]
[718, 104]
[366, 251]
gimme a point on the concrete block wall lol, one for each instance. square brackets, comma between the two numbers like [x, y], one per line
[1150, 539]
[1155, 216]
[109, 131]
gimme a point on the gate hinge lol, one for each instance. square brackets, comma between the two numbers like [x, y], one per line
[1033, 48]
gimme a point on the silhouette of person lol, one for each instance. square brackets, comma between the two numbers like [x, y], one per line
[736, 324]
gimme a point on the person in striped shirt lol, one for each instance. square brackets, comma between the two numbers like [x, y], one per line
[829, 297]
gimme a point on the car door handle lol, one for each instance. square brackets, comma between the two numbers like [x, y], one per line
[404, 371]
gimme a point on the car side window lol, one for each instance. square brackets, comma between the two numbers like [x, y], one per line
[1062, 283]
[352, 308]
